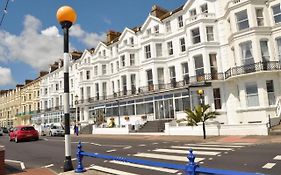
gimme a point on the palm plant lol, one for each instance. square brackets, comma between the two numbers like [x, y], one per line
[200, 114]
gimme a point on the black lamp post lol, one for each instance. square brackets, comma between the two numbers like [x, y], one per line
[200, 92]
[119, 121]
[76, 111]
[66, 16]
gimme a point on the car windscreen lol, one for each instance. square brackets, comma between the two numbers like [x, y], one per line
[27, 129]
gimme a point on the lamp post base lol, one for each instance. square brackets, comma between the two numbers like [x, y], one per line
[67, 164]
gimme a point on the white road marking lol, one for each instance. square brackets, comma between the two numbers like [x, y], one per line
[95, 144]
[210, 158]
[205, 148]
[227, 146]
[16, 161]
[128, 147]
[111, 171]
[278, 157]
[154, 143]
[142, 145]
[145, 166]
[48, 166]
[166, 157]
[221, 143]
[81, 142]
[74, 159]
[208, 153]
[268, 165]
[112, 150]
[45, 139]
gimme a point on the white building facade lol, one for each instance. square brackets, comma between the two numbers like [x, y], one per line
[229, 48]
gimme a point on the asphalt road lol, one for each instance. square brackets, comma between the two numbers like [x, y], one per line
[49, 152]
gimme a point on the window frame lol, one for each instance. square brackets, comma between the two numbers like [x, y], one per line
[238, 22]
[196, 37]
[147, 51]
[180, 21]
[182, 44]
[170, 48]
[210, 36]
[274, 15]
[260, 19]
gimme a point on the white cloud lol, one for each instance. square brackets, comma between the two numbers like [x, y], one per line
[51, 31]
[40, 47]
[89, 39]
[6, 76]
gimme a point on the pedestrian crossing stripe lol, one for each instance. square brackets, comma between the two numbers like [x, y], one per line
[207, 145]
[110, 170]
[145, 167]
[201, 148]
[166, 157]
[223, 143]
[207, 153]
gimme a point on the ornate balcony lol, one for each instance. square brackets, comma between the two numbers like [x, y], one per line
[250, 68]
[188, 81]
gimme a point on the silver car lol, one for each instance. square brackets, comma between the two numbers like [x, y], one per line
[56, 131]
[1, 131]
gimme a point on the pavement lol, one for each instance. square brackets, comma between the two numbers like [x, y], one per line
[223, 139]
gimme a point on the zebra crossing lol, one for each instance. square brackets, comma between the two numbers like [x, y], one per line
[175, 154]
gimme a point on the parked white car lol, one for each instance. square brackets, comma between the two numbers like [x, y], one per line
[54, 131]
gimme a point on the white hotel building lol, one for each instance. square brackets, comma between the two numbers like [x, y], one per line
[229, 48]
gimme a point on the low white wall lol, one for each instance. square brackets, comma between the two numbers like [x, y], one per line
[216, 130]
[110, 130]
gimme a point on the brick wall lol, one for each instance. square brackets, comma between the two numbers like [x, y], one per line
[2, 159]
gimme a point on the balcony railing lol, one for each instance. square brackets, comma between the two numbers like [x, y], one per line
[256, 67]
[201, 16]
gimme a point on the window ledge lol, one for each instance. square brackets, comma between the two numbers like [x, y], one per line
[255, 108]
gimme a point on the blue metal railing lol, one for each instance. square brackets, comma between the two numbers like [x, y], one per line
[191, 168]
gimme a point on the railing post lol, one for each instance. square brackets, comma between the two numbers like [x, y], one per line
[80, 168]
[190, 168]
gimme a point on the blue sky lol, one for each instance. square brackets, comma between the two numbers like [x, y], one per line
[31, 38]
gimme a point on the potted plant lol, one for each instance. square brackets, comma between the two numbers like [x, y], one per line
[127, 118]
[144, 117]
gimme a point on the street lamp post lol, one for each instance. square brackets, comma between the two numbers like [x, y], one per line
[200, 92]
[76, 109]
[66, 16]
[119, 121]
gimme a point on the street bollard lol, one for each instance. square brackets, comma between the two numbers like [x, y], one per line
[190, 168]
[80, 168]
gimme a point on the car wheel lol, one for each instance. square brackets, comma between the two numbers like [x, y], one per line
[50, 133]
[10, 139]
[42, 133]
[16, 139]
[37, 138]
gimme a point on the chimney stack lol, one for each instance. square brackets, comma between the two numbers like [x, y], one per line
[111, 35]
[158, 11]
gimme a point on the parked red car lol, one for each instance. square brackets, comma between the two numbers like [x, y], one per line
[20, 133]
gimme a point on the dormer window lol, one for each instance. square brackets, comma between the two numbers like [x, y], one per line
[132, 41]
[148, 32]
[242, 20]
[156, 29]
[104, 53]
[180, 21]
[204, 8]
[168, 26]
[125, 42]
[193, 14]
